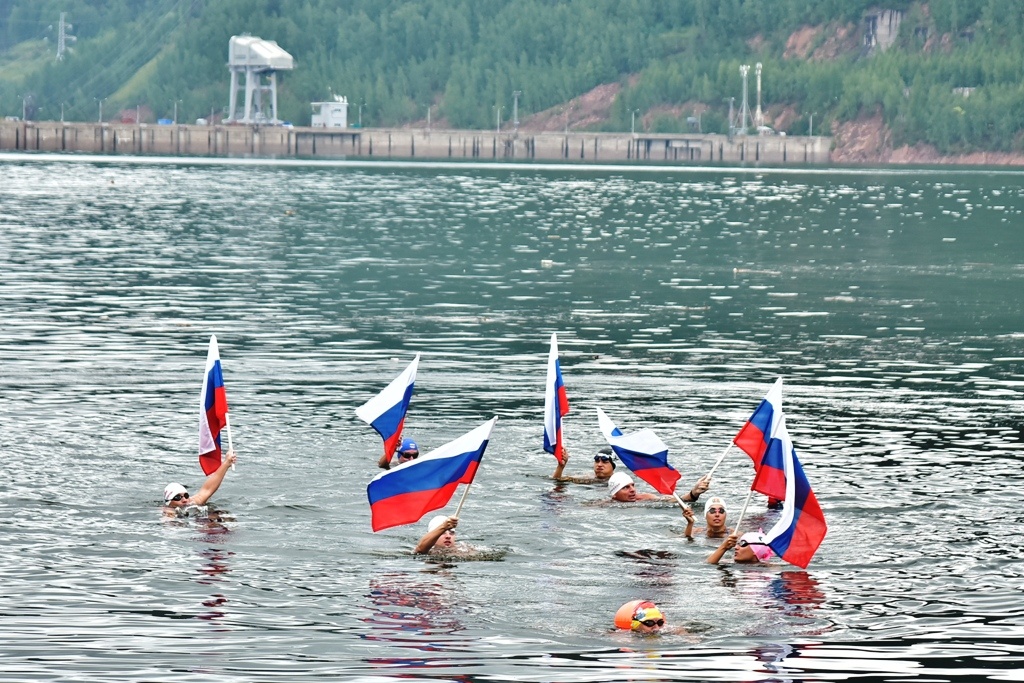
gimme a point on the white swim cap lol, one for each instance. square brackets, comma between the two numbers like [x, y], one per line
[617, 481]
[437, 521]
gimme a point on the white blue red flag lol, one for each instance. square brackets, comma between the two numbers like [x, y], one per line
[403, 494]
[213, 410]
[643, 453]
[386, 411]
[801, 527]
[753, 438]
[556, 404]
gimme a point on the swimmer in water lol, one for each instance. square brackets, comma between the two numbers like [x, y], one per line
[622, 490]
[750, 549]
[604, 467]
[176, 496]
[440, 535]
[714, 514]
[407, 452]
[642, 617]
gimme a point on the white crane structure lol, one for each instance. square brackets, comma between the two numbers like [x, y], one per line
[257, 59]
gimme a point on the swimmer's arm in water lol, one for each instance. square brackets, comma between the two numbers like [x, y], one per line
[431, 537]
[716, 556]
[213, 481]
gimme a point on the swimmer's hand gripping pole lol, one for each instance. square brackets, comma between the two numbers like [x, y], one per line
[679, 500]
[231, 449]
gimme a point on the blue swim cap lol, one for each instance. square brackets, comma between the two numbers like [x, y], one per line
[408, 445]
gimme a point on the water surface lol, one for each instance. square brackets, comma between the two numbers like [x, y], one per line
[888, 301]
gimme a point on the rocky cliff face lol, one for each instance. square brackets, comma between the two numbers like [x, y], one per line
[868, 141]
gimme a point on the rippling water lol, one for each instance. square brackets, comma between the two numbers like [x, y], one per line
[889, 301]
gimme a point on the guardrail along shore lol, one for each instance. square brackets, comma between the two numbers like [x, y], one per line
[411, 144]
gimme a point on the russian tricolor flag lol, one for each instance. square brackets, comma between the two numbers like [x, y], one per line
[801, 527]
[386, 411]
[403, 494]
[213, 410]
[556, 404]
[643, 453]
[753, 438]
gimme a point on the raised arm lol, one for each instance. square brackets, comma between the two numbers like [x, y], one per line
[213, 481]
[688, 515]
[384, 462]
[431, 537]
[695, 492]
[557, 474]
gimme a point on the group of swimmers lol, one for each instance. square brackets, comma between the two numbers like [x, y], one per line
[641, 617]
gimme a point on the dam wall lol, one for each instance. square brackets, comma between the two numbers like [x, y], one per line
[410, 144]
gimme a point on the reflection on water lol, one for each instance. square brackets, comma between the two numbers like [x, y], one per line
[887, 301]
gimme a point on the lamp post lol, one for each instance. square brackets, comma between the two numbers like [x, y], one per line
[515, 109]
[810, 133]
[497, 126]
[429, 107]
[62, 112]
[175, 120]
[361, 114]
[632, 123]
[101, 101]
[24, 108]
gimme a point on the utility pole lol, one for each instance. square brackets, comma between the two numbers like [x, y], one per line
[810, 133]
[361, 114]
[515, 109]
[497, 128]
[632, 124]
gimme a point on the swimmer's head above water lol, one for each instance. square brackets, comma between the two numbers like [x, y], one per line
[447, 539]
[176, 496]
[640, 616]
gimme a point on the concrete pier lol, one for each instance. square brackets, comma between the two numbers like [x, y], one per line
[411, 144]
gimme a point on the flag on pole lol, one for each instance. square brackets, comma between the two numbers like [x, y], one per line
[753, 438]
[213, 410]
[556, 404]
[801, 527]
[403, 494]
[643, 453]
[386, 411]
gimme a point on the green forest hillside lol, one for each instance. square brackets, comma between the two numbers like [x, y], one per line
[947, 73]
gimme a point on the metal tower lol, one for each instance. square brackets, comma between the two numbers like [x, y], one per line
[62, 37]
[256, 59]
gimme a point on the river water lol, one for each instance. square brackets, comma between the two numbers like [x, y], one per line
[889, 301]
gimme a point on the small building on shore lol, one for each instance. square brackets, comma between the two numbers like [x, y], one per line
[330, 114]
